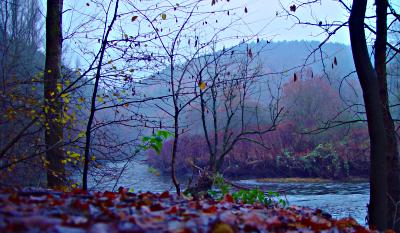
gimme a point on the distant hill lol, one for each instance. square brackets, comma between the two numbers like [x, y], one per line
[274, 57]
[283, 55]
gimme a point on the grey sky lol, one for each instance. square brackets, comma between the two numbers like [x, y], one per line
[261, 20]
[261, 17]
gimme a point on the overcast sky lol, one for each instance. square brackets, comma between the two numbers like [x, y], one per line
[261, 19]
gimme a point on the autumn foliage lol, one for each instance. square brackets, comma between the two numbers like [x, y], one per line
[290, 150]
[77, 211]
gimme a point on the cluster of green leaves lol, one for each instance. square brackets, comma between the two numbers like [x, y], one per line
[221, 185]
[155, 141]
[245, 196]
[256, 195]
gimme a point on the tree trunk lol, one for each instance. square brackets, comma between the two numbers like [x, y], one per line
[93, 101]
[393, 168]
[53, 105]
[173, 158]
[377, 211]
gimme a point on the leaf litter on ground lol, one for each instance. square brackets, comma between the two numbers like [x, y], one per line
[24, 210]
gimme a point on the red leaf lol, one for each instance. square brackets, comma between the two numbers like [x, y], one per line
[228, 198]
[110, 195]
[165, 195]
[82, 206]
[210, 210]
[156, 207]
[172, 210]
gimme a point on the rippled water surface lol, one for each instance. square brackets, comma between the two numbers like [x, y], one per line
[337, 198]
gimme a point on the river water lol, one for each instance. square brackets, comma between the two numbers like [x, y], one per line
[339, 199]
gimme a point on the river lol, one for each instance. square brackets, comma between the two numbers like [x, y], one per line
[340, 199]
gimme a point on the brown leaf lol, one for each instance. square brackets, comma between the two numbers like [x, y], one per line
[222, 228]
[250, 53]
[134, 18]
[293, 8]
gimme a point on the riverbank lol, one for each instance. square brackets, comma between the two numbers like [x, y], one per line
[112, 212]
[311, 180]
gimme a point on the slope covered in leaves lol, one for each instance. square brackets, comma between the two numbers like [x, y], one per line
[75, 212]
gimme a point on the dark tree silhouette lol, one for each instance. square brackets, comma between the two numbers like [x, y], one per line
[384, 177]
[52, 76]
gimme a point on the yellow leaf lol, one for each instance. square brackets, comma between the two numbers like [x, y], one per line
[163, 16]
[49, 71]
[75, 155]
[202, 86]
[100, 99]
[81, 99]
[65, 95]
[59, 87]
[81, 134]
[93, 158]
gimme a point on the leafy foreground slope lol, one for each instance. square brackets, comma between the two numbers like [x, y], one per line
[75, 212]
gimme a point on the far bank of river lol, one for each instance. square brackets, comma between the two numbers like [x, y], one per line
[340, 199]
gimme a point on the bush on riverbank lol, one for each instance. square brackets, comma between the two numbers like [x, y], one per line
[289, 154]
